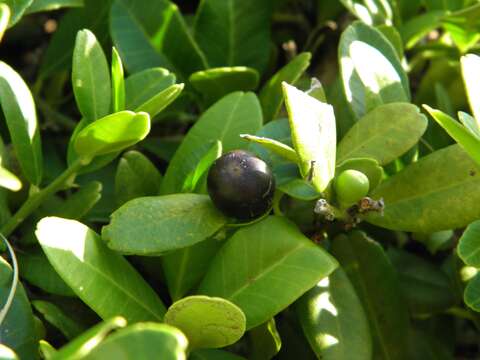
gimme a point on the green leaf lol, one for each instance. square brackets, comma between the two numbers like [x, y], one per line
[376, 284]
[235, 114]
[215, 83]
[157, 103]
[265, 341]
[185, 268]
[17, 329]
[470, 65]
[299, 189]
[234, 32]
[144, 85]
[130, 36]
[203, 165]
[136, 176]
[8, 180]
[367, 166]
[371, 71]
[470, 123]
[55, 316]
[118, 82]
[464, 137]
[208, 322]
[6, 353]
[81, 202]
[82, 345]
[419, 197]
[313, 135]
[90, 77]
[4, 18]
[265, 267]
[271, 95]
[142, 341]
[112, 133]
[213, 354]
[275, 146]
[50, 5]
[104, 280]
[383, 134]
[35, 268]
[469, 245]
[375, 12]
[417, 27]
[472, 293]
[333, 319]
[19, 110]
[426, 289]
[157, 224]
[17, 9]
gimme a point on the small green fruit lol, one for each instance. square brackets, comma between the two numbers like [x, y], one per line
[350, 186]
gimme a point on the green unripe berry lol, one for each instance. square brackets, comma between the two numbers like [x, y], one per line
[350, 186]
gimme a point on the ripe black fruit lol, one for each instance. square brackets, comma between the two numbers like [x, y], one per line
[241, 185]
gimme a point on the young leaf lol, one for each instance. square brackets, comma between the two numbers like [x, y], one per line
[333, 319]
[90, 77]
[157, 103]
[265, 267]
[271, 95]
[136, 176]
[157, 224]
[215, 83]
[203, 165]
[82, 345]
[469, 244]
[462, 135]
[118, 82]
[208, 322]
[470, 65]
[19, 110]
[418, 197]
[275, 146]
[104, 280]
[17, 329]
[144, 85]
[371, 71]
[376, 284]
[112, 133]
[383, 134]
[4, 18]
[234, 32]
[235, 114]
[142, 341]
[55, 316]
[8, 180]
[313, 134]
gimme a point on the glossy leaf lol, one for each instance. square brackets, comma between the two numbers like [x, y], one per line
[142, 341]
[104, 280]
[17, 329]
[469, 245]
[383, 134]
[157, 224]
[374, 12]
[371, 71]
[472, 293]
[5, 14]
[157, 103]
[208, 322]
[8, 180]
[35, 268]
[55, 316]
[265, 267]
[46, 350]
[275, 146]
[90, 77]
[376, 284]
[417, 198]
[470, 123]
[234, 32]
[461, 134]
[426, 289]
[82, 345]
[20, 115]
[416, 28]
[6, 353]
[470, 65]
[144, 85]
[299, 189]
[215, 83]
[265, 341]
[271, 95]
[136, 176]
[17, 9]
[313, 135]
[185, 268]
[235, 114]
[203, 165]
[118, 82]
[367, 166]
[50, 5]
[112, 133]
[333, 319]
